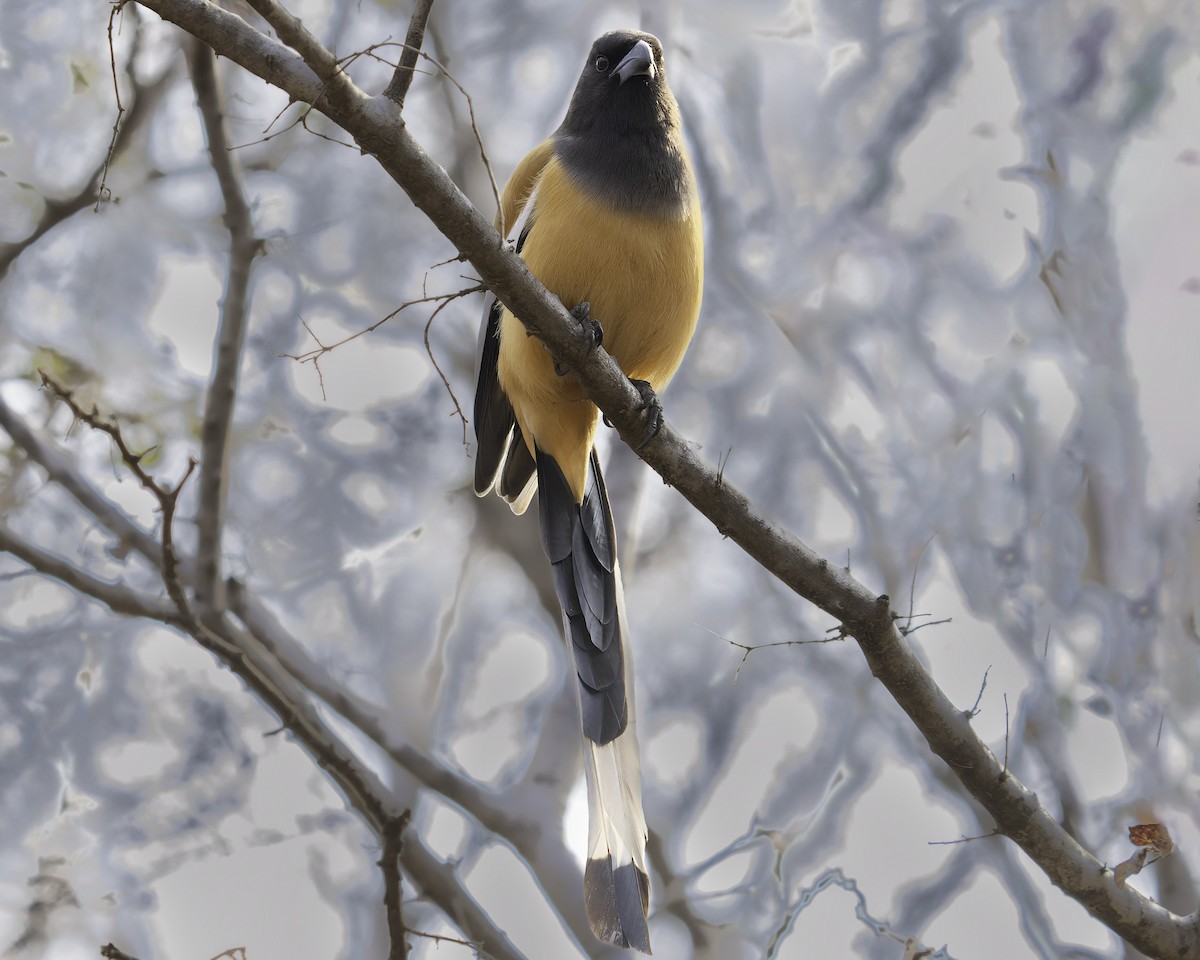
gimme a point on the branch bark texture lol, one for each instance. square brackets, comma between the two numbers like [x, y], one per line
[244, 246]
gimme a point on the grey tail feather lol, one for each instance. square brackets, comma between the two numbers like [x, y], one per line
[578, 538]
[622, 895]
[580, 542]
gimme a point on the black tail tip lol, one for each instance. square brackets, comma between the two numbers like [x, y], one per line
[617, 904]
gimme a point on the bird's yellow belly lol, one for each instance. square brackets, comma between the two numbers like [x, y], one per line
[643, 278]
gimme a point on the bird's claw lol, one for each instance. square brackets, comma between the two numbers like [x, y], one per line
[582, 312]
[652, 411]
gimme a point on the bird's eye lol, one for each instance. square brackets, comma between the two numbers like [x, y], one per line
[601, 63]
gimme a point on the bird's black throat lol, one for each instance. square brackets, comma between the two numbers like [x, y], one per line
[623, 145]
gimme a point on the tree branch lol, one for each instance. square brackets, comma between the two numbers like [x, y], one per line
[118, 598]
[142, 103]
[402, 79]
[375, 126]
[280, 691]
[389, 863]
[337, 87]
[60, 470]
[244, 246]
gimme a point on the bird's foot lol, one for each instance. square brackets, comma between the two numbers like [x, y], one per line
[595, 333]
[583, 313]
[652, 411]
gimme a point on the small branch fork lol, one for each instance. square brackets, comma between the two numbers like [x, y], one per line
[167, 497]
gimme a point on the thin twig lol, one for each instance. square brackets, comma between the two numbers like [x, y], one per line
[442, 938]
[311, 356]
[949, 843]
[909, 631]
[912, 587]
[437, 366]
[97, 421]
[974, 711]
[102, 192]
[244, 246]
[487, 163]
[839, 635]
[722, 463]
[397, 89]
[112, 952]
[167, 497]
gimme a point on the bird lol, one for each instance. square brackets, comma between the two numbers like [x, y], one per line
[613, 229]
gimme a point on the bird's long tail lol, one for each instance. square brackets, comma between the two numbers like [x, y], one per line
[580, 542]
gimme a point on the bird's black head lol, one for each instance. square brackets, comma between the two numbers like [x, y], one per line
[621, 138]
[623, 87]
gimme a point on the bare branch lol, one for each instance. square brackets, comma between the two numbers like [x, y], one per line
[397, 90]
[167, 497]
[948, 843]
[389, 863]
[337, 87]
[240, 652]
[442, 885]
[97, 421]
[279, 646]
[142, 102]
[60, 470]
[102, 191]
[117, 597]
[244, 246]
[257, 655]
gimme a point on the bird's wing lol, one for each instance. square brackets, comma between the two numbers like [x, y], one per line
[502, 458]
[521, 185]
[495, 421]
